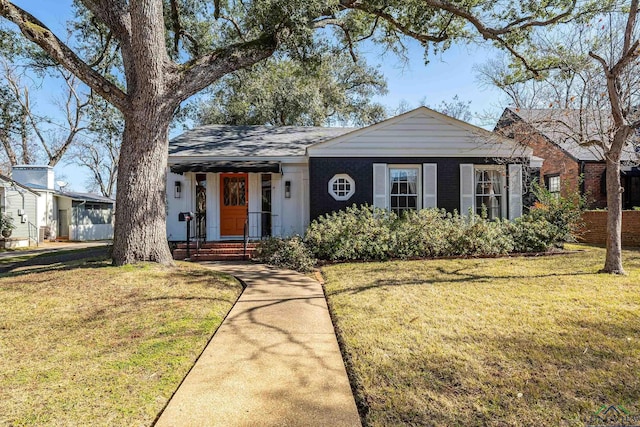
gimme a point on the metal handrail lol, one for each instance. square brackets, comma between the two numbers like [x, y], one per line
[31, 226]
[245, 233]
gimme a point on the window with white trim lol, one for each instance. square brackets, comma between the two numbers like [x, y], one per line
[553, 185]
[489, 191]
[342, 186]
[404, 189]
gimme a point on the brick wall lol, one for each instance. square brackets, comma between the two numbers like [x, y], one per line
[595, 230]
[556, 161]
[593, 185]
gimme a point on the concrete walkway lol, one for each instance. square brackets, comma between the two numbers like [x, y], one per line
[274, 361]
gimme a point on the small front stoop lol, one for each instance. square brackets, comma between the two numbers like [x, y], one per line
[215, 251]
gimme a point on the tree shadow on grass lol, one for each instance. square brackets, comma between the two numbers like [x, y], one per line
[88, 258]
[452, 276]
[563, 377]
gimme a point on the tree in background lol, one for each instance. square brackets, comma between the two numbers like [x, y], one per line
[170, 50]
[27, 136]
[591, 90]
[98, 150]
[456, 108]
[329, 89]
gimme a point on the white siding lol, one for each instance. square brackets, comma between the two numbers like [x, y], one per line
[213, 204]
[418, 134]
[91, 232]
[176, 231]
[41, 177]
[255, 204]
[277, 193]
[515, 191]
[294, 210]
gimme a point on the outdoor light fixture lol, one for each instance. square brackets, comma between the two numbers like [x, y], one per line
[287, 189]
[178, 190]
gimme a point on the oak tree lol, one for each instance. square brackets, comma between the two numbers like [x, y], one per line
[327, 89]
[172, 49]
[588, 93]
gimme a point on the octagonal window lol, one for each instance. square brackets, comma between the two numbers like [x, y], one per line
[342, 186]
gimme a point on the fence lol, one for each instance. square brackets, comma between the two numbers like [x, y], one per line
[595, 227]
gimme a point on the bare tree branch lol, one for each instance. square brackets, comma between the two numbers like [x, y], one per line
[38, 33]
[628, 31]
[236, 26]
[103, 53]
[487, 32]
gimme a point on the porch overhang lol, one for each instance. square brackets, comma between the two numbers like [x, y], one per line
[227, 166]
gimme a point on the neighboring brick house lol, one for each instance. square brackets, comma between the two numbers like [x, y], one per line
[551, 134]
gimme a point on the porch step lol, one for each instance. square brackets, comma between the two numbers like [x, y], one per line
[220, 257]
[216, 245]
[215, 251]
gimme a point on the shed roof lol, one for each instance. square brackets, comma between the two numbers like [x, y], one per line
[85, 197]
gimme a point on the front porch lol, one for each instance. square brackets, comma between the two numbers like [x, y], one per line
[235, 201]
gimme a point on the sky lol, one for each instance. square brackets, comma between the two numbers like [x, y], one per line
[446, 75]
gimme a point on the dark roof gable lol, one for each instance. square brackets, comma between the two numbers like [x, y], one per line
[250, 141]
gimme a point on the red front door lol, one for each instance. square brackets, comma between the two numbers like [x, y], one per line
[234, 202]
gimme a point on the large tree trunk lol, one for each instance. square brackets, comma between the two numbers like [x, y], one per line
[140, 227]
[613, 260]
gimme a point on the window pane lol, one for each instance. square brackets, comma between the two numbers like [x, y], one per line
[489, 184]
[554, 184]
[404, 189]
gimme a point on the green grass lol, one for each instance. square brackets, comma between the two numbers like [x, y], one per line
[489, 342]
[22, 254]
[85, 343]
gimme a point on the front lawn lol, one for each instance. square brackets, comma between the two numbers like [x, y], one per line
[85, 343]
[497, 342]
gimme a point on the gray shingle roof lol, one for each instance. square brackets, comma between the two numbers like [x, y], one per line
[572, 132]
[250, 141]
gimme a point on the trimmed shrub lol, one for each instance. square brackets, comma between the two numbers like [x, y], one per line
[564, 214]
[366, 233]
[475, 235]
[531, 234]
[288, 253]
[424, 233]
[356, 233]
